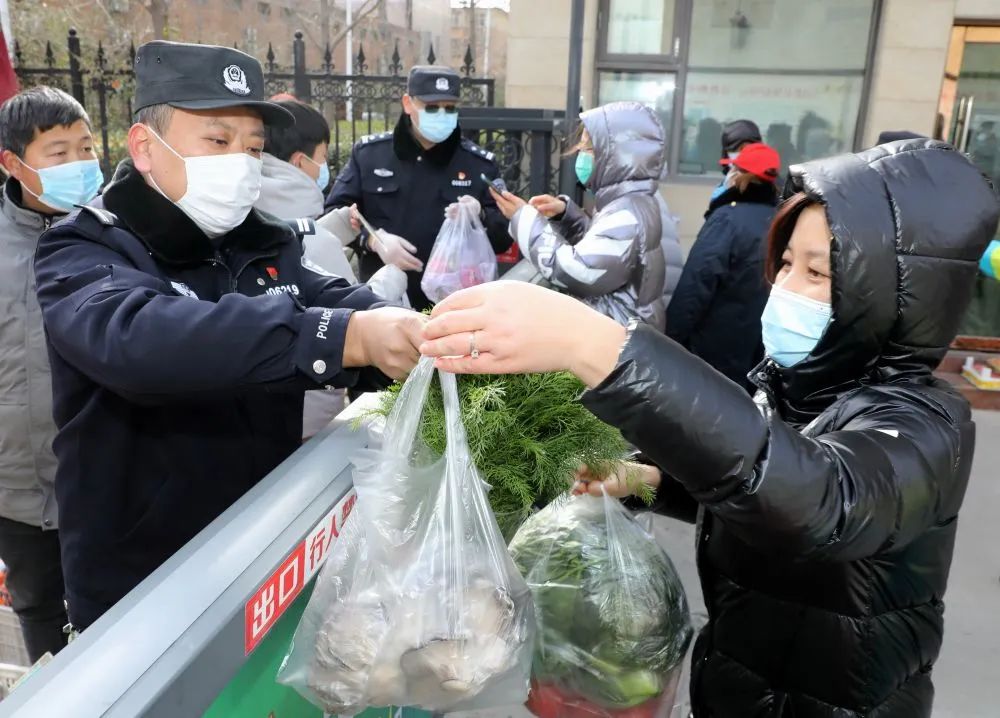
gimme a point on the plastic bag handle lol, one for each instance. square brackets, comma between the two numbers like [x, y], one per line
[404, 420]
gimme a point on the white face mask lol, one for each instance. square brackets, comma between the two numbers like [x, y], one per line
[221, 189]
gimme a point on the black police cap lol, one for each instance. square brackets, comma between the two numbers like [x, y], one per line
[202, 77]
[433, 83]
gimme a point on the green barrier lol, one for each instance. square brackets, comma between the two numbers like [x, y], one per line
[253, 692]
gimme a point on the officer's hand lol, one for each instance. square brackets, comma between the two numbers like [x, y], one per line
[355, 218]
[507, 202]
[472, 204]
[467, 202]
[387, 339]
[393, 249]
[547, 205]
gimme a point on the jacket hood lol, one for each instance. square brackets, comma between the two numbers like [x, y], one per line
[628, 148]
[288, 192]
[909, 222]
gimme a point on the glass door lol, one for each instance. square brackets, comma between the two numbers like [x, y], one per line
[970, 114]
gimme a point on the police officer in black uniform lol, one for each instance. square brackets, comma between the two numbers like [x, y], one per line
[184, 327]
[403, 181]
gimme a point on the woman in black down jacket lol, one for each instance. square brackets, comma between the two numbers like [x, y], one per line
[716, 308]
[830, 499]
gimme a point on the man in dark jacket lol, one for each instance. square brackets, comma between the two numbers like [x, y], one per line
[184, 326]
[403, 181]
[716, 309]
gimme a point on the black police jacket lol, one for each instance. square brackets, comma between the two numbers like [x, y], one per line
[178, 369]
[830, 502]
[716, 307]
[404, 189]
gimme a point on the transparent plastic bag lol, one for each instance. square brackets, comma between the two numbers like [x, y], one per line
[462, 256]
[613, 620]
[419, 603]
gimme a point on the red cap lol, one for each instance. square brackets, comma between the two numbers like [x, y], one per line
[760, 160]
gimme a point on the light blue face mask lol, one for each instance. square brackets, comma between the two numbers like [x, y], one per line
[67, 185]
[584, 166]
[792, 326]
[437, 126]
[324, 173]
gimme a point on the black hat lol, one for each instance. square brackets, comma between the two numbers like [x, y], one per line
[737, 133]
[202, 77]
[433, 83]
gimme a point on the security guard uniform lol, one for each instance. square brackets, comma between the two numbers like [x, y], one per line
[179, 362]
[404, 189]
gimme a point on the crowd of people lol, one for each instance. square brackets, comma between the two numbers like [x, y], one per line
[170, 336]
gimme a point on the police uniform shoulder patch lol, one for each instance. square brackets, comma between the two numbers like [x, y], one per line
[108, 219]
[302, 226]
[477, 150]
[375, 137]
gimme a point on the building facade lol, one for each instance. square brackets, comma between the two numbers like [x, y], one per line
[482, 28]
[818, 77]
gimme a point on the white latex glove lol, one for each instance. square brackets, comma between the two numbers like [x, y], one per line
[470, 203]
[393, 249]
[389, 283]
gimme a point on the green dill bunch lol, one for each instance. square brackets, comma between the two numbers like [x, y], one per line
[527, 433]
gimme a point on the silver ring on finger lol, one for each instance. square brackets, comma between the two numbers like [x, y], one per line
[473, 349]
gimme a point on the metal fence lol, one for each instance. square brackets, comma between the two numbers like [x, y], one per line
[524, 141]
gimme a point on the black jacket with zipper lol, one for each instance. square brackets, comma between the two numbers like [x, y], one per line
[830, 500]
[178, 369]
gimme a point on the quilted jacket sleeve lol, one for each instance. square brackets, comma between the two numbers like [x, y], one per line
[885, 475]
[599, 263]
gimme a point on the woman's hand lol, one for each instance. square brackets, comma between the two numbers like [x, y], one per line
[507, 203]
[547, 205]
[616, 483]
[517, 327]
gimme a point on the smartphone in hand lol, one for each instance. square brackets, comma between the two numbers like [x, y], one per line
[498, 185]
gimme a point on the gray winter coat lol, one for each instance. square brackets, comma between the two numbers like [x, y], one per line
[614, 261]
[670, 241]
[27, 464]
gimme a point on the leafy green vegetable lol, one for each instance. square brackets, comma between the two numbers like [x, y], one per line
[528, 433]
[611, 611]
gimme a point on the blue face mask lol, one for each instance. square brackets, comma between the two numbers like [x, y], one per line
[792, 326]
[65, 186]
[584, 166]
[324, 173]
[437, 126]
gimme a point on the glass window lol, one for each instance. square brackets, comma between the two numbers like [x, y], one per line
[974, 127]
[653, 89]
[801, 116]
[786, 34]
[802, 88]
[640, 27]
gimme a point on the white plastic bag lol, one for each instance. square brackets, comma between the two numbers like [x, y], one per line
[419, 603]
[462, 256]
[613, 620]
